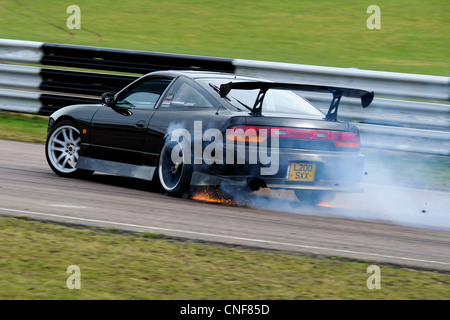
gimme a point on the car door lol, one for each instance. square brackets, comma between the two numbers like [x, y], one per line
[184, 105]
[118, 134]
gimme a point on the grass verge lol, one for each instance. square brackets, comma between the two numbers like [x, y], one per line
[34, 257]
[23, 127]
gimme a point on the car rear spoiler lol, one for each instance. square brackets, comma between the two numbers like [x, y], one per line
[365, 96]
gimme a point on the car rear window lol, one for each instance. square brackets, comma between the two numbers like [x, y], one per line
[275, 101]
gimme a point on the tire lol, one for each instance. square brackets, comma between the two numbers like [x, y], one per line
[175, 177]
[62, 150]
[314, 197]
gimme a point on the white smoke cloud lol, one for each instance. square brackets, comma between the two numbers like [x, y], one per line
[386, 197]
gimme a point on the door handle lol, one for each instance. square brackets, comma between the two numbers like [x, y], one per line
[141, 124]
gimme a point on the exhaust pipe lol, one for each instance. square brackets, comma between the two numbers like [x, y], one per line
[255, 184]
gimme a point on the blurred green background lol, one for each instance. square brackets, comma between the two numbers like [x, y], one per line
[414, 35]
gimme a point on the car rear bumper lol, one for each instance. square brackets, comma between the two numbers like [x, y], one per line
[335, 171]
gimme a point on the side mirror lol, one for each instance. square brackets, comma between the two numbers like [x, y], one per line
[108, 99]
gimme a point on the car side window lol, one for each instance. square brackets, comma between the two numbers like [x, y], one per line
[145, 95]
[185, 95]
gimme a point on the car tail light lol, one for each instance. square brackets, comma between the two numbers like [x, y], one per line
[341, 139]
[247, 133]
[347, 140]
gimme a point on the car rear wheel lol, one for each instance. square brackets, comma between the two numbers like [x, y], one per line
[314, 197]
[173, 170]
[62, 149]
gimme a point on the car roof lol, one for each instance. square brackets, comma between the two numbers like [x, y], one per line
[199, 75]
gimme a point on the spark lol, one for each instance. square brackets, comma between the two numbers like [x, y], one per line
[212, 195]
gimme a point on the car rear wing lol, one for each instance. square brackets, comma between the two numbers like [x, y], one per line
[365, 96]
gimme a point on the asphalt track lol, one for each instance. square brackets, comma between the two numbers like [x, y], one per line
[375, 226]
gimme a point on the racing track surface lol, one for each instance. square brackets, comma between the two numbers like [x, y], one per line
[28, 187]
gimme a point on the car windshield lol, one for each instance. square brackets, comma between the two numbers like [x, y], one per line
[275, 100]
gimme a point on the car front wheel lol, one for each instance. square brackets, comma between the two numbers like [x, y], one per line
[62, 149]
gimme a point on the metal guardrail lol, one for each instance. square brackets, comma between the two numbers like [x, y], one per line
[383, 83]
[37, 102]
[21, 51]
[391, 122]
[405, 139]
[105, 58]
[393, 112]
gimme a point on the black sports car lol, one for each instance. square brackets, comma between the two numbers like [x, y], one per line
[189, 128]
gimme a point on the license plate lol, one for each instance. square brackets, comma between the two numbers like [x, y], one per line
[301, 171]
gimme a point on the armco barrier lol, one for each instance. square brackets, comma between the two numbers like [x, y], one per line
[391, 122]
[395, 84]
[140, 62]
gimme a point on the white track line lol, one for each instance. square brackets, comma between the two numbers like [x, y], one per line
[221, 236]
[65, 206]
